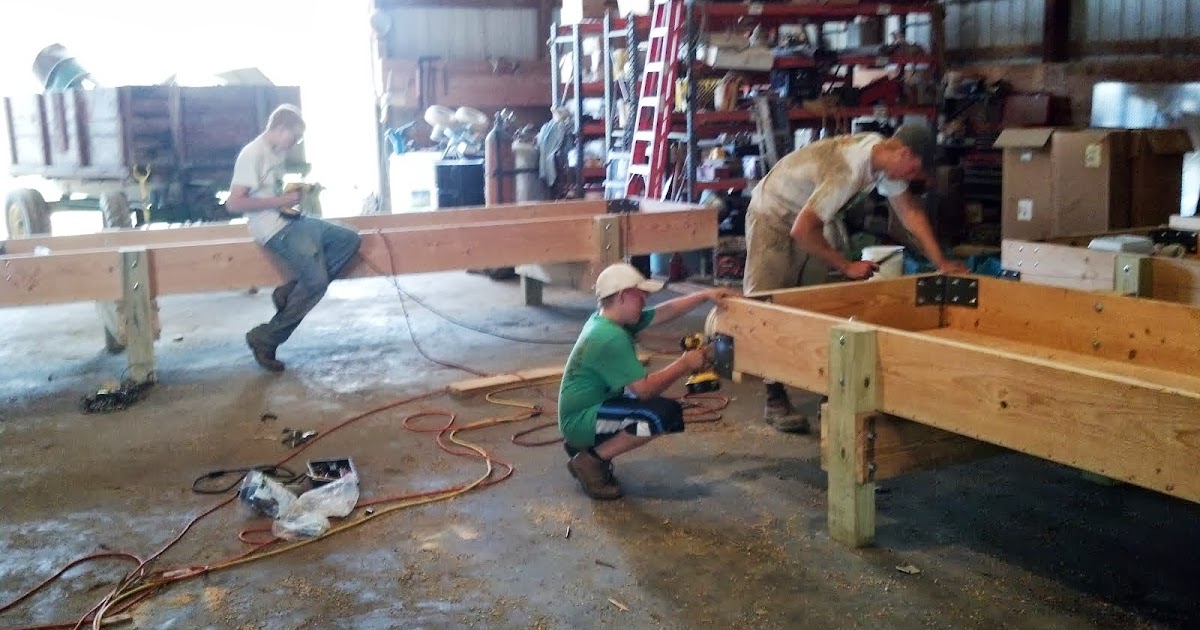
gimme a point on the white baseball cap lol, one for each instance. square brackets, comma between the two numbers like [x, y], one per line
[620, 276]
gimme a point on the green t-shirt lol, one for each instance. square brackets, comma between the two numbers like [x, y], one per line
[603, 361]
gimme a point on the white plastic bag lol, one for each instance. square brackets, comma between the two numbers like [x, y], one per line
[265, 495]
[308, 516]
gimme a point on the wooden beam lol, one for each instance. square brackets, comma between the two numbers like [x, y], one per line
[1175, 280]
[228, 231]
[572, 234]
[1122, 428]
[242, 264]
[677, 230]
[1059, 265]
[71, 277]
[1088, 362]
[890, 446]
[853, 397]
[889, 302]
[485, 384]
[775, 342]
[1143, 332]
[137, 313]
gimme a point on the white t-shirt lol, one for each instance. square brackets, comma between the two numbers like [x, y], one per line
[826, 175]
[260, 168]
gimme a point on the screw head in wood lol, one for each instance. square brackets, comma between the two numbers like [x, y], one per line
[1096, 344]
[136, 285]
[1127, 268]
[1099, 307]
[842, 340]
[842, 382]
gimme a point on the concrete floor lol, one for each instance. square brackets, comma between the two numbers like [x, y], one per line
[722, 527]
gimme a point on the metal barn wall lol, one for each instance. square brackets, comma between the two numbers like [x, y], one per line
[1097, 26]
[465, 33]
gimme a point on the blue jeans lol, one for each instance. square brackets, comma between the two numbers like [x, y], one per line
[315, 251]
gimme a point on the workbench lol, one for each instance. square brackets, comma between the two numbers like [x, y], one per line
[126, 270]
[925, 371]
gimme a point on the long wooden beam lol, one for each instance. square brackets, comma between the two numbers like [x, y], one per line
[1127, 429]
[886, 302]
[228, 231]
[1172, 279]
[242, 263]
[1151, 333]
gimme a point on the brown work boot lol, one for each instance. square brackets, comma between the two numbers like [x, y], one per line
[779, 414]
[264, 355]
[595, 475]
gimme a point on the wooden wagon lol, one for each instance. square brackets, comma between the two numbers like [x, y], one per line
[162, 149]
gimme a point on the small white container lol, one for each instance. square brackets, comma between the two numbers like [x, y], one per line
[893, 268]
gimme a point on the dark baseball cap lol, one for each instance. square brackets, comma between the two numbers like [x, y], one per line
[920, 140]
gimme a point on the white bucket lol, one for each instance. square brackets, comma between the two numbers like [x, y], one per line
[893, 268]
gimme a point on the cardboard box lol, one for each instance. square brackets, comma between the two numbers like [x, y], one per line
[575, 11]
[1027, 185]
[1092, 190]
[1063, 181]
[1157, 172]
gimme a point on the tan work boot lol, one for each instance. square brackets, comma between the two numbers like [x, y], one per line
[779, 414]
[595, 475]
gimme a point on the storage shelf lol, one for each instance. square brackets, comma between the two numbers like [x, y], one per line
[797, 114]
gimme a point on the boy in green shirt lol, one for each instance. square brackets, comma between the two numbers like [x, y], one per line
[608, 404]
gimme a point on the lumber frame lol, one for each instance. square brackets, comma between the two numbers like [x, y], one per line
[582, 234]
[1054, 264]
[1134, 425]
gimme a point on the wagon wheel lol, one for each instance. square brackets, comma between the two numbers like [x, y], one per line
[115, 206]
[26, 213]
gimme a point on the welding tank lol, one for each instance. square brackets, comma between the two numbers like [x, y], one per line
[525, 162]
[498, 163]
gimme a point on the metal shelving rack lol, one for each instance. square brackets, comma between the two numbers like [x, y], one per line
[716, 14]
[610, 30]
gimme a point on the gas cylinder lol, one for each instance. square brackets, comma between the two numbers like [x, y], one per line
[498, 162]
[529, 186]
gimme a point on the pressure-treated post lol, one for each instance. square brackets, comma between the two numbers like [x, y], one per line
[853, 397]
[138, 313]
[1133, 275]
[608, 245]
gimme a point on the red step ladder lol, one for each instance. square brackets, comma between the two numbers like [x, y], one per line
[656, 102]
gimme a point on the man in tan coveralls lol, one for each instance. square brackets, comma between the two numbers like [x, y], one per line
[795, 234]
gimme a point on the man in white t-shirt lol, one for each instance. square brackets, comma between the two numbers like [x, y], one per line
[795, 234]
[315, 251]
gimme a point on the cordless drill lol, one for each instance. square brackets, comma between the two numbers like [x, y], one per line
[705, 380]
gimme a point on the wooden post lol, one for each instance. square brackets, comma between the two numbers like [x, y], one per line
[138, 313]
[1132, 275]
[608, 244]
[852, 399]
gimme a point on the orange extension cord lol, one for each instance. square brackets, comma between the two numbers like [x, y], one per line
[141, 583]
